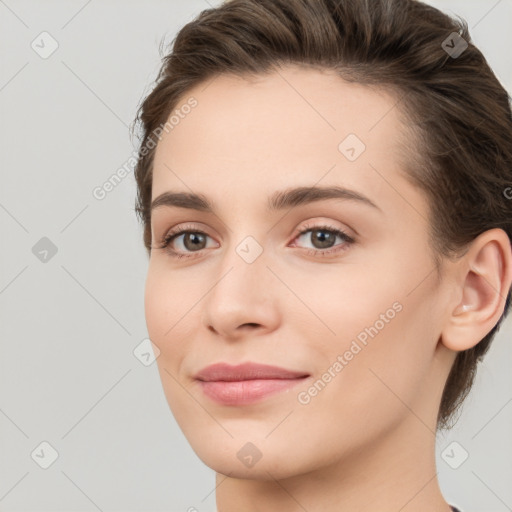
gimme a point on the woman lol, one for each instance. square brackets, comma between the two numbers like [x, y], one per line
[325, 192]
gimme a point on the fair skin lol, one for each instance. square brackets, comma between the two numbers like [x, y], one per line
[357, 443]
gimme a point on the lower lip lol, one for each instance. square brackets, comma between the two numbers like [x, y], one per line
[244, 392]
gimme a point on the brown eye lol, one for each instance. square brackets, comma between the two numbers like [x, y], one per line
[193, 241]
[323, 239]
[186, 241]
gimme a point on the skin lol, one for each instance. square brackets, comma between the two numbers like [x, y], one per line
[356, 445]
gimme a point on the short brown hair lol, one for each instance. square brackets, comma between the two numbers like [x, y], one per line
[458, 113]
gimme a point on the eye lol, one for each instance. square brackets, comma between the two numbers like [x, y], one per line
[193, 240]
[323, 239]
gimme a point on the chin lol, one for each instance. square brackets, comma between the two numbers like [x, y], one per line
[241, 458]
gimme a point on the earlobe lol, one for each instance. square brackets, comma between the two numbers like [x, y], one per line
[485, 279]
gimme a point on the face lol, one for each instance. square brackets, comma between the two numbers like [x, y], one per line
[340, 288]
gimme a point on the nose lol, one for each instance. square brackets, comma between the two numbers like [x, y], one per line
[242, 297]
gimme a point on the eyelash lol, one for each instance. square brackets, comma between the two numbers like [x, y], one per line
[169, 237]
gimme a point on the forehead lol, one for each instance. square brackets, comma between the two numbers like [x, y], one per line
[294, 126]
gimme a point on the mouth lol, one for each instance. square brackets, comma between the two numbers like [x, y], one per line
[246, 383]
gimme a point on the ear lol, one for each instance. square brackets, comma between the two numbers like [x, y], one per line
[484, 279]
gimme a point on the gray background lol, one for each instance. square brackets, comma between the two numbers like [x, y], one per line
[69, 325]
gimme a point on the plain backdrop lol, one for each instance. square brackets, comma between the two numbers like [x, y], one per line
[73, 394]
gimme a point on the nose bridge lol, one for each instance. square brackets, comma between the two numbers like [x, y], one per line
[240, 293]
[244, 267]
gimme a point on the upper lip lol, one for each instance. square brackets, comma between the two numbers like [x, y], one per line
[246, 371]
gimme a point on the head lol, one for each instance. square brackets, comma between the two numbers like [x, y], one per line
[257, 97]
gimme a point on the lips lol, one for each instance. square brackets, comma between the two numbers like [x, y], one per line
[246, 383]
[246, 371]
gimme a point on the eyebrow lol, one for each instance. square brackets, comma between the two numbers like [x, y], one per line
[289, 198]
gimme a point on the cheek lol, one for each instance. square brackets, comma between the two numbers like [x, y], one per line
[163, 309]
[380, 331]
[342, 302]
[375, 389]
[156, 303]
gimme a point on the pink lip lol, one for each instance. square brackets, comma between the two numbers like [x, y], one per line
[245, 383]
